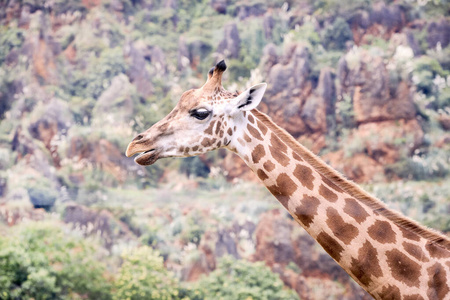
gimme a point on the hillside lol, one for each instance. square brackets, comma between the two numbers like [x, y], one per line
[365, 85]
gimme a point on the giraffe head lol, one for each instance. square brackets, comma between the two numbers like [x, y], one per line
[203, 120]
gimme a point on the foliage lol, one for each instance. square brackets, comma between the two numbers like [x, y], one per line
[143, 276]
[238, 279]
[434, 164]
[41, 260]
[194, 166]
[93, 81]
[338, 7]
[337, 35]
[10, 38]
[425, 70]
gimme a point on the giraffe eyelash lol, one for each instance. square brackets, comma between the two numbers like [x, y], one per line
[200, 114]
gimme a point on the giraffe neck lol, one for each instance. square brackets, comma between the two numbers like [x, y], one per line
[390, 256]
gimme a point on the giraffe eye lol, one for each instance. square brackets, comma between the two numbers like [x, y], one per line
[200, 114]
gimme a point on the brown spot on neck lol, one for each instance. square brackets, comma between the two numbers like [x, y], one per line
[250, 118]
[262, 175]
[247, 138]
[382, 232]
[367, 264]
[408, 234]
[438, 284]
[390, 292]
[307, 210]
[327, 193]
[262, 127]
[283, 189]
[296, 157]
[330, 245]
[342, 230]
[355, 210]
[415, 251]
[304, 175]
[279, 156]
[277, 143]
[254, 132]
[331, 184]
[437, 251]
[403, 268]
[258, 153]
[269, 166]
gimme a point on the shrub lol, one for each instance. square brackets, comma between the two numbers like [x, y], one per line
[434, 164]
[143, 276]
[336, 35]
[194, 166]
[239, 279]
[41, 260]
[10, 38]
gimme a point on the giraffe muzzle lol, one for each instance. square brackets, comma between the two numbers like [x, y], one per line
[147, 158]
[147, 155]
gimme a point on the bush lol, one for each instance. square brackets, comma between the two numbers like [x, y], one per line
[194, 166]
[434, 164]
[10, 38]
[239, 279]
[40, 260]
[143, 276]
[336, 35]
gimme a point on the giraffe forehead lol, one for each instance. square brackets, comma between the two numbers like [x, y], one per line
[197, 97]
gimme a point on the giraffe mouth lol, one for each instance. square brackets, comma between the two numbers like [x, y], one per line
[147, 158]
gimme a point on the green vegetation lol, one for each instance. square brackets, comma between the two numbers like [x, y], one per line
[143, 276]
[41, 260]
[238, 279]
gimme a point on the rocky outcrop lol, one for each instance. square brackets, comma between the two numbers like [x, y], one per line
[55, 120]
[320, 105]
[231, 43]
[359, 167]
[182, 55]
[101, 154]
[245, 9]
[288, 86]
[438, 33]
[292, 253]
[101, 224]
[219, 6]
[382, 20]
[137, 53]
[375, 97]
[273, 240]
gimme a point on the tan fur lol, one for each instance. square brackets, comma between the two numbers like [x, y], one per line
[351, 188]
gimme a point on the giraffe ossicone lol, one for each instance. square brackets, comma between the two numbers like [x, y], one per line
[389, 255]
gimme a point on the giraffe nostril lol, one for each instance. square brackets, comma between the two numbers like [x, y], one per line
[139, 137]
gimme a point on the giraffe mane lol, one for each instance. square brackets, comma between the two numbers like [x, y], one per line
[350, 187]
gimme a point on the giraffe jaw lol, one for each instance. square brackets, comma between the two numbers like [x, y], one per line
[147, 158]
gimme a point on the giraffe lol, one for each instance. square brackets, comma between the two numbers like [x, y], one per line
[387, 254]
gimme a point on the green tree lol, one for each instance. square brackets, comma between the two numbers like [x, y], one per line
[143, 276]
[42, 260]
[336, 35]
[239, 279]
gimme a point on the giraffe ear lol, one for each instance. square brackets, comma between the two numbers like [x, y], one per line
[250, 99]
